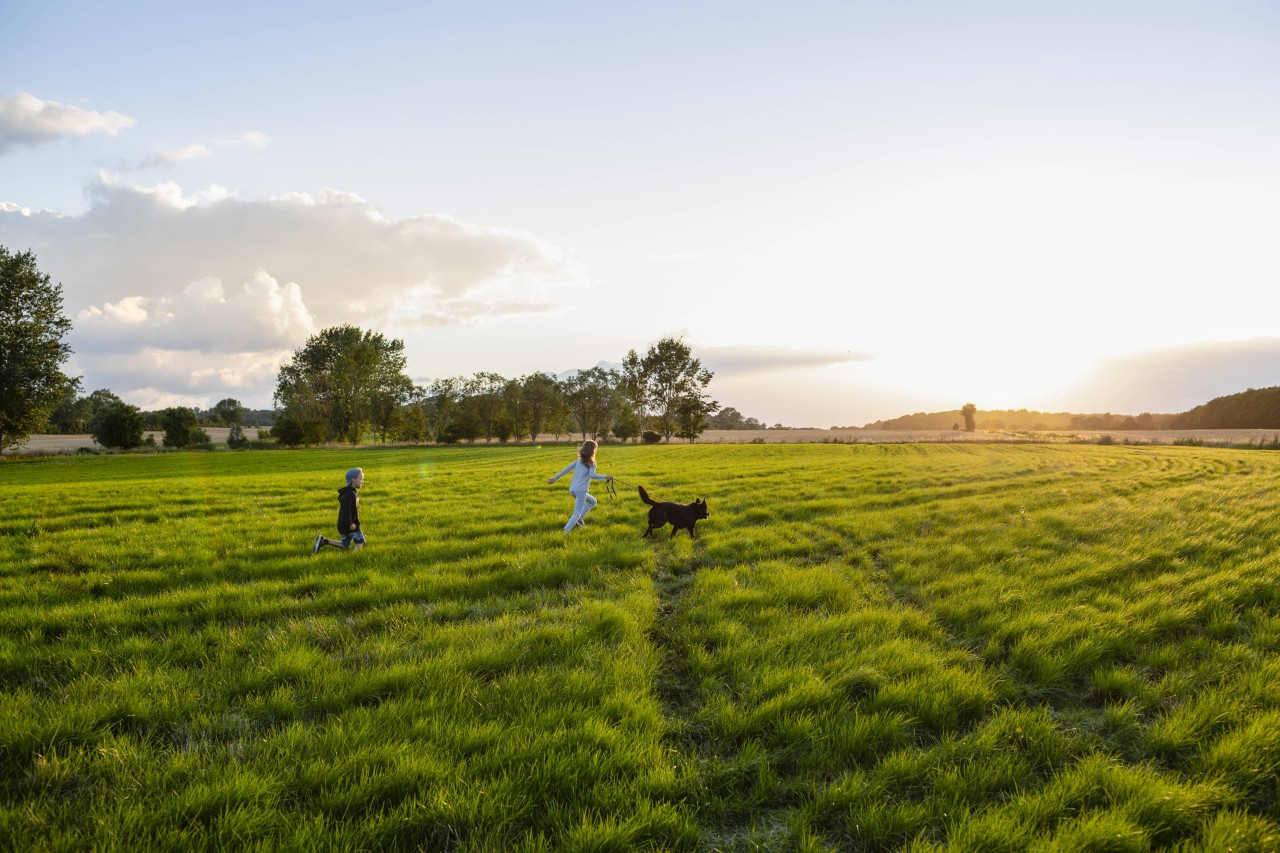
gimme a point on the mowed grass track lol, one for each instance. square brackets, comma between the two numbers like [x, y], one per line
[888, 647]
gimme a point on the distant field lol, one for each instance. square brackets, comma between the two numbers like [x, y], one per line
[925, 647]
[70, 443]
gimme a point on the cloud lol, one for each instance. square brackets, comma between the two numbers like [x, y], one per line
[757, 359]
[152, 278]
[195, 151]
[1174, 379]
[262, 315]
[154, 378]
[248, 139]
[27, 120]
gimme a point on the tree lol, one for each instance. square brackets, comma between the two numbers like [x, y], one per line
[181, 427]
[443, 404]
[485, 390]
[388, 403]
[230, 411]
[673, 377]
[32, 327]
[543, 402]
[117, 425]
[970, 411]
[73, 413]
[515, 408]
[413, 424]
[691, 417]
[634, 390]
[590, 396]
[336, 377]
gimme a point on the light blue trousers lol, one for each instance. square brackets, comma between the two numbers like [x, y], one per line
[583, 503]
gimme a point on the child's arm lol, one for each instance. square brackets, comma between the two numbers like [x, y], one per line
[566, 470]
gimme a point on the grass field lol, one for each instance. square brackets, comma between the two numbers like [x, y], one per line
[869, 647]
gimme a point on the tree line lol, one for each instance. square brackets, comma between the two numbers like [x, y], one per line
[344, 384]
[347, 382]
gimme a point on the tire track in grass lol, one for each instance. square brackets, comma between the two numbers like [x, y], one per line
[676, 685]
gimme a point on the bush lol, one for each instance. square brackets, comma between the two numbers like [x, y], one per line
[118, 425]
[650, 437]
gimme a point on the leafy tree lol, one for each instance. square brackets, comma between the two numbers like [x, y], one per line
[673, 378]
[335, 378]
[485, 390]
[970, 411]
[117, 425]
[543, 401]
[388, 404]
[294, 432]
[590, 396]
[229, 411]
[72, 415]
[181, 427]
[634, 389]
[515, 408]
[413, 424]
[691, 416]
[626, 425]
[32, 327]
[444, 402]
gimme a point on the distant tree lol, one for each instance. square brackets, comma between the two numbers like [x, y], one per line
[236, 437]
[72, 415]
[626, 425]
[691, 417]
[413, 424]
[294, 432]
[336, 377]
[32, 327]
[726, 418]
[443, 404]
[229, 411]
[673, 377]
[590, 396]
[117, 425]
[970, 412]
[181, 427]
[515, 409]
[633, 386]
[387, 404]
[485, 389]
[542, 401]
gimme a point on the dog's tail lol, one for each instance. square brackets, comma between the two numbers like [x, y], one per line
[644, 496]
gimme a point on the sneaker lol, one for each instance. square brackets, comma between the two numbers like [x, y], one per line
[582, 522]
[315, 549]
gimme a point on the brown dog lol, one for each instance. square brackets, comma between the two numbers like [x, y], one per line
[678, 515]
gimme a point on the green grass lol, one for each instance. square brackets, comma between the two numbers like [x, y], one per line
[869, 647]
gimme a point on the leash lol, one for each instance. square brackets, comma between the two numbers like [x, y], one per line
[609, 487]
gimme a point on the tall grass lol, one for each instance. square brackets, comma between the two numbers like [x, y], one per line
[869, 647]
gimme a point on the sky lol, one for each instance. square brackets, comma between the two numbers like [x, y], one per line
[849, 211]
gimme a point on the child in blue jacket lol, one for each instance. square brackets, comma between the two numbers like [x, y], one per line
[584, 471]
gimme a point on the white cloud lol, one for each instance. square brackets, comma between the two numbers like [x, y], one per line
[249, 139]
[27, 120]
[146, 274]
[261, 315]
[194, 151]
[755, 359]
[154, 378]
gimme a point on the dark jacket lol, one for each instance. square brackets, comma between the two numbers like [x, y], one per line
[348, 510]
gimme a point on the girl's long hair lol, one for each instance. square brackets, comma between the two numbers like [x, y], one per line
[587, 453]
